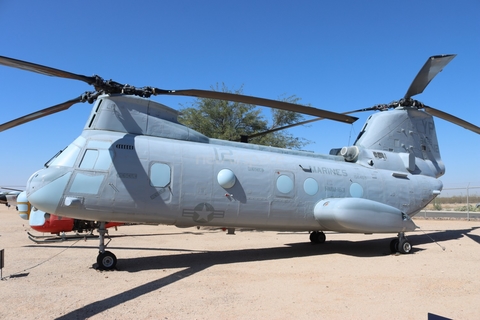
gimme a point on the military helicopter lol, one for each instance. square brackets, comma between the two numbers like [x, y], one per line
[44, 222]
[9, 197]
[135, 163]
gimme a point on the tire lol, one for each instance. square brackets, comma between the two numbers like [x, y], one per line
[321, 237]
[106, 261]
[394, 246]
[317, 237]
[404, 247]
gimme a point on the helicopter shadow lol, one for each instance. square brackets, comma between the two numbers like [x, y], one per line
[444, 235]
[361, 249]
[195, 262]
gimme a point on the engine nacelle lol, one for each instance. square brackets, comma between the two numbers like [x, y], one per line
[361, 216]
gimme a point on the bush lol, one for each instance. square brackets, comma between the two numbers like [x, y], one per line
[437, 206]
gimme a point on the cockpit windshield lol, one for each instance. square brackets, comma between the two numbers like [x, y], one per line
[67, 156]
[47, 164]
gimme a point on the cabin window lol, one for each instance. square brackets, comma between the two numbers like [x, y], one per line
[160, 175]
[310, 186]
[356, 190]
[284, 184]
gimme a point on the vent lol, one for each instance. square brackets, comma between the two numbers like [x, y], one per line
[380, 155]
[124, 146]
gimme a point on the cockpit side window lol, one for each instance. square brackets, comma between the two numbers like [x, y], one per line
[96, 159]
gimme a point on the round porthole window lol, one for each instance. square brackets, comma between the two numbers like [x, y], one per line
[356, 190]
[310, 186]
[284, 184]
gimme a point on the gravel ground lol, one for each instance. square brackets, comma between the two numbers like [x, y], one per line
[169, 273]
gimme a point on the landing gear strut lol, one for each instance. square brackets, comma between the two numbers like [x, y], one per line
[401, 244]
[105, 259]
[317, 237]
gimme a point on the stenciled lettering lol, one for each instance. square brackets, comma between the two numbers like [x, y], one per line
[330, 171]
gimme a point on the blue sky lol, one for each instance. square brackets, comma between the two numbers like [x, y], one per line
[335, 55]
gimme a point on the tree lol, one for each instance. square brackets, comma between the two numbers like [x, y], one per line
[230, 120]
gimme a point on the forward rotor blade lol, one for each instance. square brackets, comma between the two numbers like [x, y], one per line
[33, 67]
[40, 114]
[453, 119]
[259, 101]
[284, 127]
[430, 69]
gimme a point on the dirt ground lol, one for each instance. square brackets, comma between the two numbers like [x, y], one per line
[168, 273]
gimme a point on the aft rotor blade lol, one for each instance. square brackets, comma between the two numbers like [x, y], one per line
[298, 124]
[430, 69]
[453, 119]
[259, 101]
[40, 114]
[33, 67]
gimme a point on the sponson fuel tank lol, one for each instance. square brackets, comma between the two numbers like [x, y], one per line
[361, 216]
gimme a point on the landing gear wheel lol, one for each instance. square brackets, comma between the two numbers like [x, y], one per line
[394, 246]
[317, 237]
[401, 244]
[404, 247]
[106, 261]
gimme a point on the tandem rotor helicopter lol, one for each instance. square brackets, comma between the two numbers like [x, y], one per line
[135, 163]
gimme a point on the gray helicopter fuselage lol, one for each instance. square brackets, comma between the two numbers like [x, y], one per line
[135, 163]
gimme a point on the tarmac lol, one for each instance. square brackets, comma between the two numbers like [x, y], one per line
[168, 273]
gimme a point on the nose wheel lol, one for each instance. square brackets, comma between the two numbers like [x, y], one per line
[105, 259]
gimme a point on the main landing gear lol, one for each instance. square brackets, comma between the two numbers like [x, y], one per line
[401, 244]
[317, 237]
[105, 259]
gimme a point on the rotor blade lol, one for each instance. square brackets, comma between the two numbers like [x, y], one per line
[259, 101]
[258, 134]
[40, 114]
[12, 189]
[452, 119]
[284, 127]
[33, 67]
[430, 69]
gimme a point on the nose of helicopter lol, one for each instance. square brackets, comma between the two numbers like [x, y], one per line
[45, 188]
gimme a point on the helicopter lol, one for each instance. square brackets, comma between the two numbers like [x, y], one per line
[45, 222]
[9, 197]
[135, 163]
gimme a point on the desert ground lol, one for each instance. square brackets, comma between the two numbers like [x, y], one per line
[168, 273]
